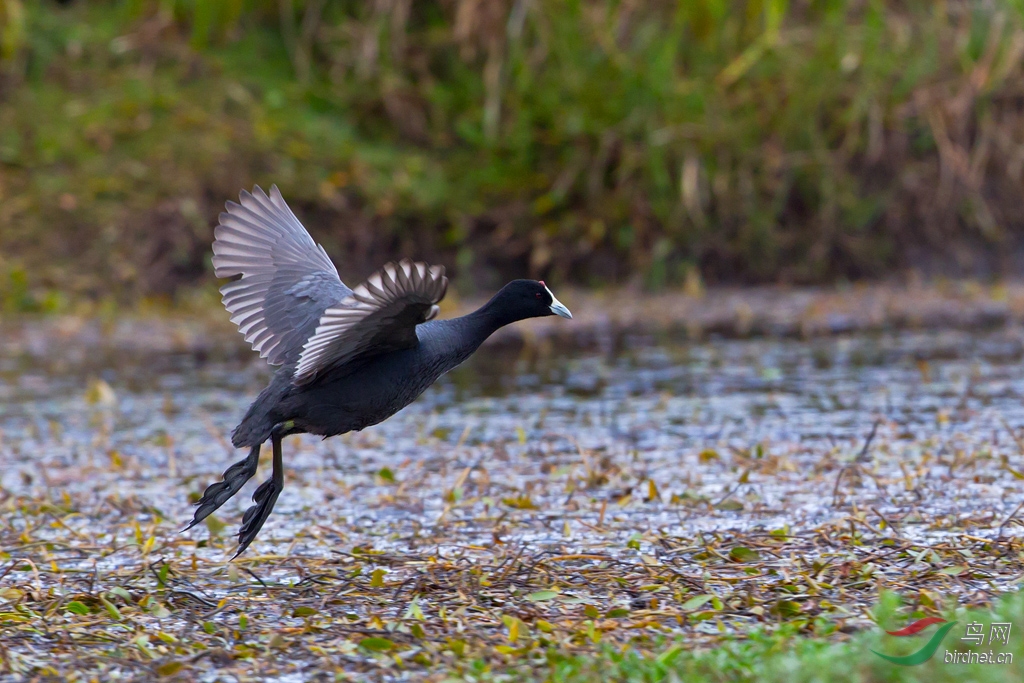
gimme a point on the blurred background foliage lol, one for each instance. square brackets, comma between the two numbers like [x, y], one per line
[596, 141]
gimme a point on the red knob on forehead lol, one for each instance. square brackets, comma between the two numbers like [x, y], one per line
[542, 282]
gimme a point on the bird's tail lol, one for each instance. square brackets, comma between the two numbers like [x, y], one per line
[263, 414]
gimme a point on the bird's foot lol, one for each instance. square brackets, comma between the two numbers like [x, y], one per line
[219, 493]
[265, 497]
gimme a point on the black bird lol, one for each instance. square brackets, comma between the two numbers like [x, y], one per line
[349, 358]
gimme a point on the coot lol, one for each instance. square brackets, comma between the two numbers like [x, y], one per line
[349, 358]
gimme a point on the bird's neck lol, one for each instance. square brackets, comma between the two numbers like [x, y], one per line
[486, 320]
[450, 342]
[465, 334]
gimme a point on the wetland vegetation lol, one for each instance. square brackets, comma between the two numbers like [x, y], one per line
[652, 143]
[723, 509]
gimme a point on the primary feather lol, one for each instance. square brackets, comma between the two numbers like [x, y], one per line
[287, 280]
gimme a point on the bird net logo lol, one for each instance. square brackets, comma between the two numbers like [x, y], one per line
[974, 633]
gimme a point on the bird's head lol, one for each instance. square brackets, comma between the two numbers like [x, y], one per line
[529, 299]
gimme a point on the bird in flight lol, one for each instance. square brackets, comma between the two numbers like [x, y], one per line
[349, 358]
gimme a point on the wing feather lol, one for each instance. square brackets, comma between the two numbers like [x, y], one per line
[287, 280]
[379, 315]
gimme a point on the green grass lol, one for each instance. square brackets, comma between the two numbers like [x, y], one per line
[751, 140]
[783, 656]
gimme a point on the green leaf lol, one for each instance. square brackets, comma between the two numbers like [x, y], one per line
[157, 610]
[787, 608]
[514, 627]
[169, 668]
[617, 613]
[377, 577]
[414, 611]
[376, 644]
[76, 607]
[542, 596]
[520, 502]
[743, 554]
[111, 609]
[666, 658]
[161, 575]
[696, 602]
[214, 525]
[121, 593]
[303, 612]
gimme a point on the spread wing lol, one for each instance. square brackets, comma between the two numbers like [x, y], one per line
[287, 279]
[380, 315]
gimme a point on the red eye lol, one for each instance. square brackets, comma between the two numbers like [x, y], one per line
[538, 295]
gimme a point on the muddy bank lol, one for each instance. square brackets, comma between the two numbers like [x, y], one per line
[615, 317]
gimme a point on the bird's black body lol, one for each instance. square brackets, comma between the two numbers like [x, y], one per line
[369, 391]
[349, 358]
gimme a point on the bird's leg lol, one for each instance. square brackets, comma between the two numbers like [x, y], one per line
[217, 494]
[265, 497]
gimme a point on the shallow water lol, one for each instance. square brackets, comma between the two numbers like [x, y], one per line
[638, 448]
[519, 415]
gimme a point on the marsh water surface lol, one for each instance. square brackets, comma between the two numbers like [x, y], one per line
[892, 459]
